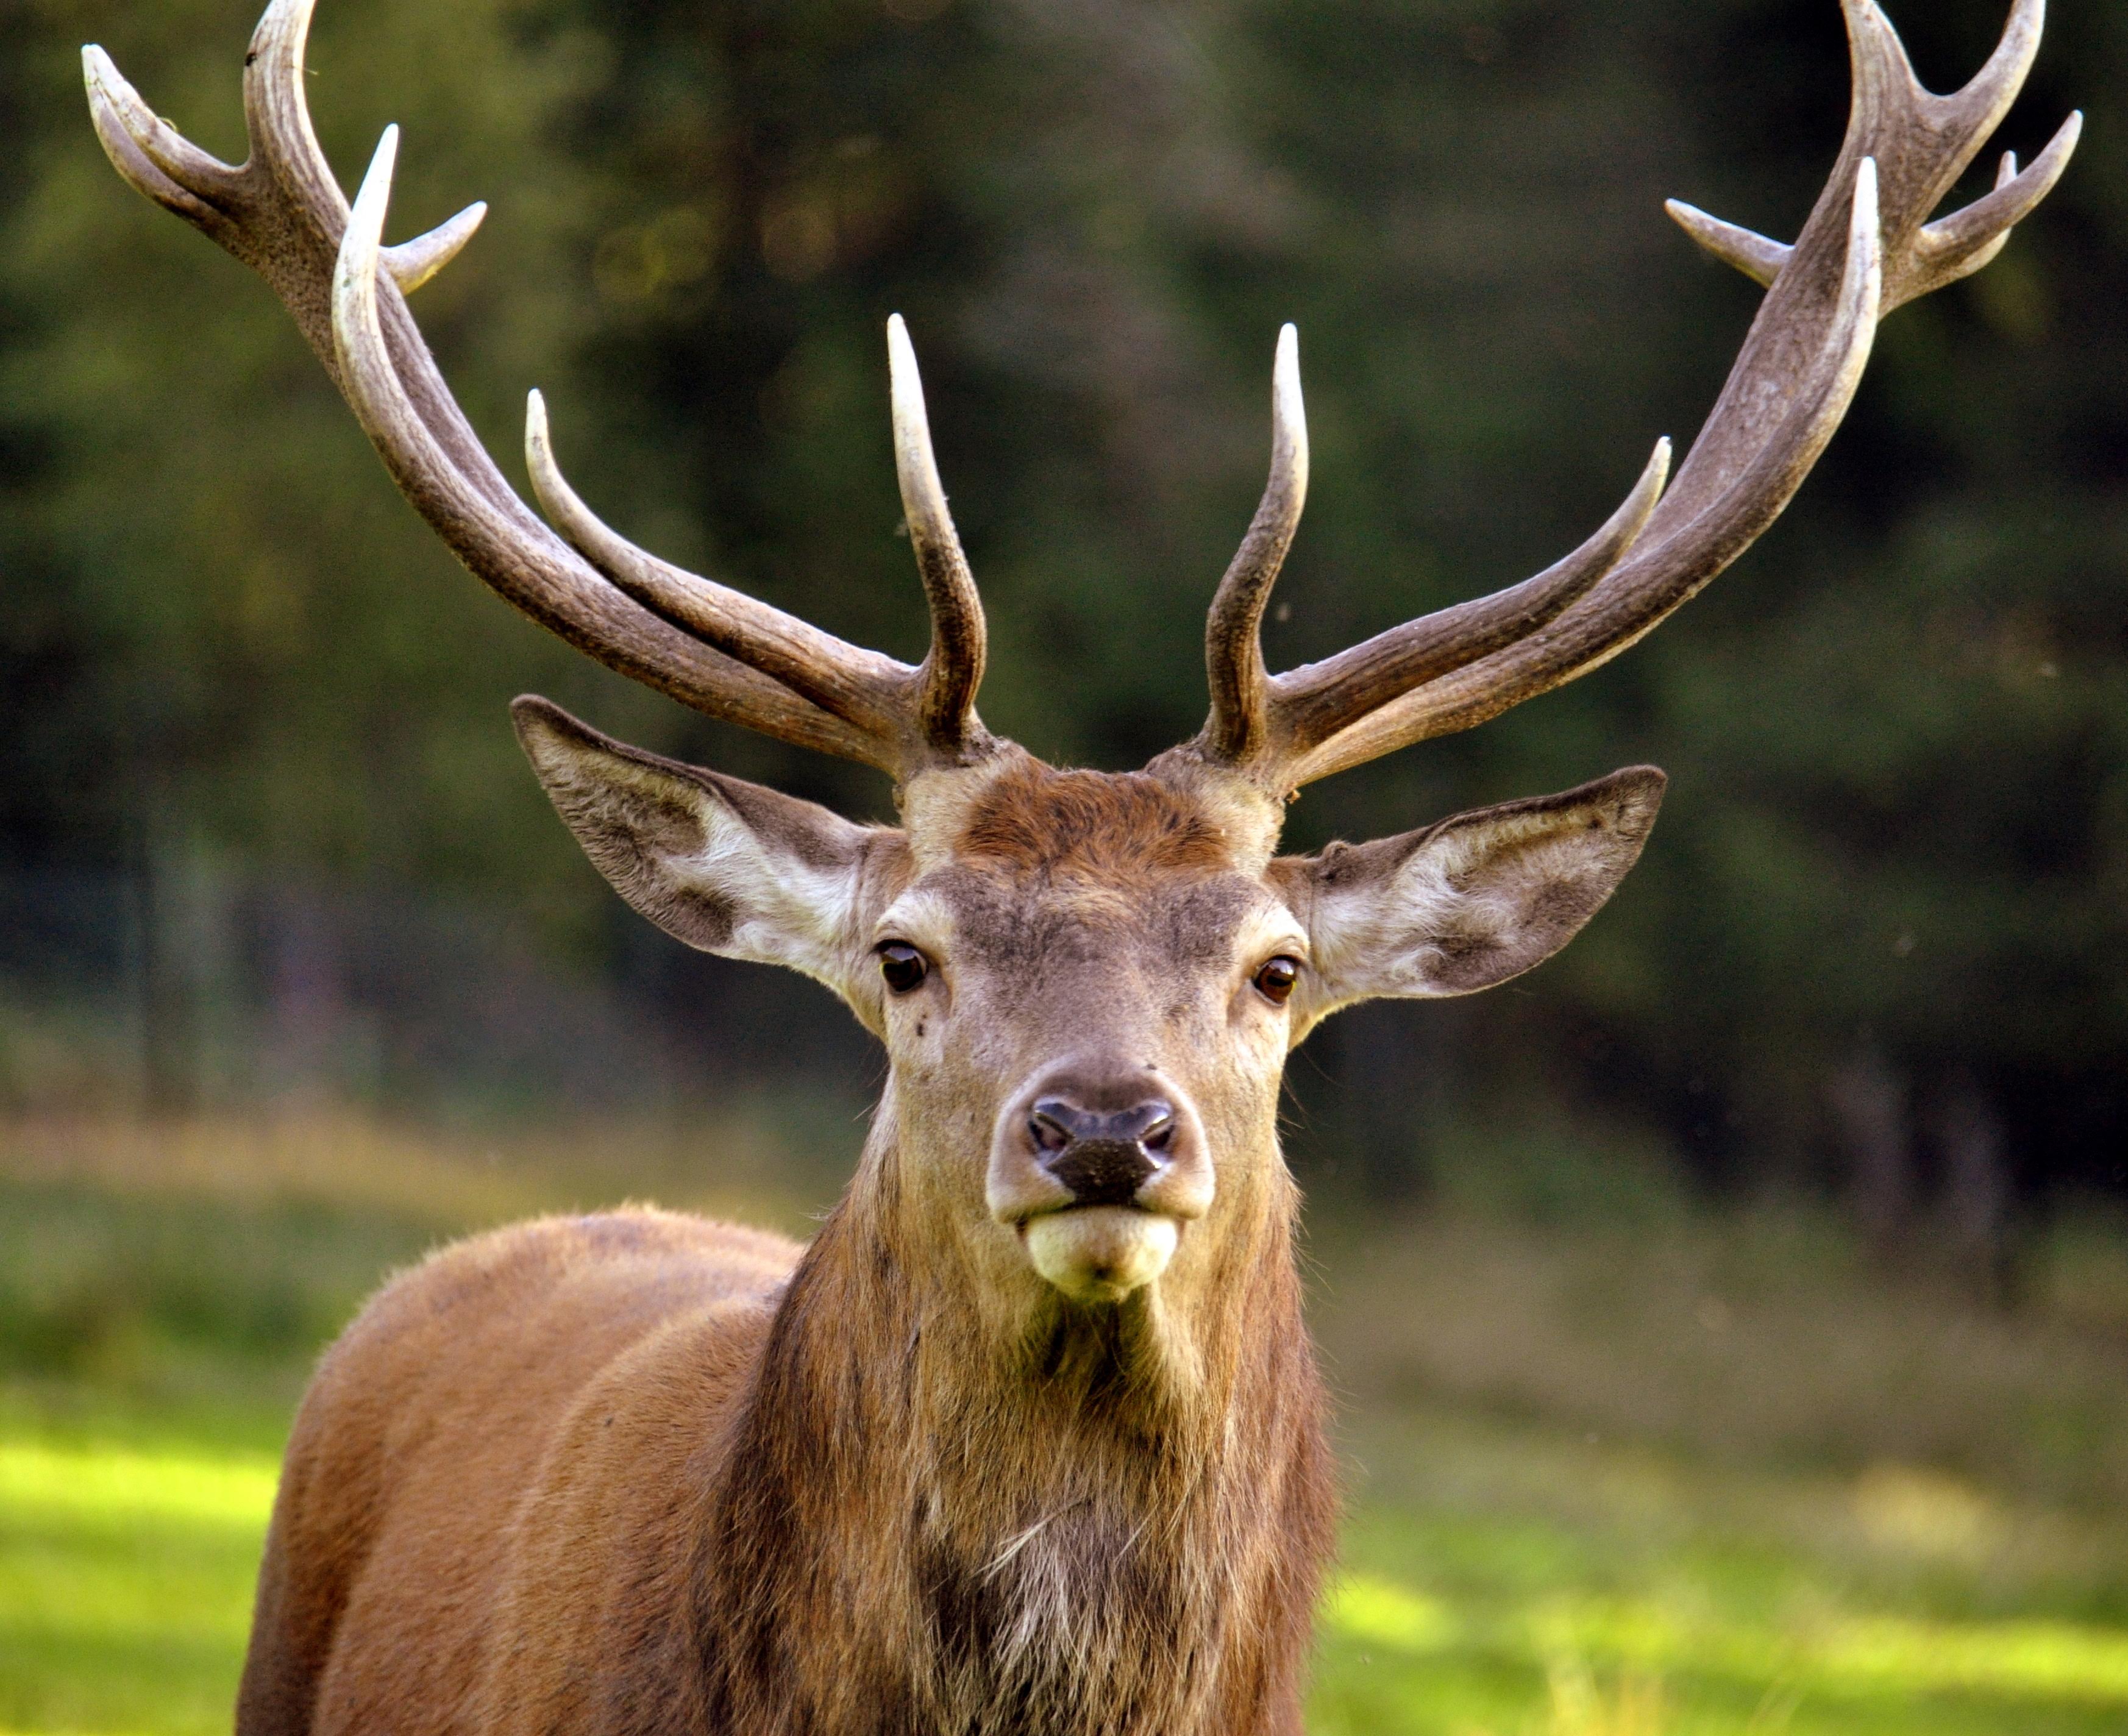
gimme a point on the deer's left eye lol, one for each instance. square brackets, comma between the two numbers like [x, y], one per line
[1275, 978]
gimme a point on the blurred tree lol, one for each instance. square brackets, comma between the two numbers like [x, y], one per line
[1899, 826]
[244, 634]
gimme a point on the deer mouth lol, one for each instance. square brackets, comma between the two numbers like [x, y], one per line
[1095, 1167]
[1099, 1254]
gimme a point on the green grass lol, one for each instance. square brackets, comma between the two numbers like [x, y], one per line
[1523, 1559]
[1747, 1603]
[125, 1583]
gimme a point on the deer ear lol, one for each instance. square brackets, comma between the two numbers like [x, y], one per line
[1475, 899]
[727, 867]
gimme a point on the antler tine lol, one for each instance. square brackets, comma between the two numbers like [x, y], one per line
[1990, 93]
[1923, 143]
[153, 156]
[412, 263]
[1238, 730]
[1757, 258]
[952, 668]
[1315, 702]
[1959, 244]
[504, 544]
[276, 112]
[283, 214]
[927, 712]
[1867, 247]
[861, 687]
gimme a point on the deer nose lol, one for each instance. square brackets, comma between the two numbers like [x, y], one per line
[1102, 1158]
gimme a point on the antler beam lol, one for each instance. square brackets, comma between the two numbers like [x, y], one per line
[1868, 248]
[728, 655]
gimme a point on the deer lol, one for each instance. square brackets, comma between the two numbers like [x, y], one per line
[1030, 1437]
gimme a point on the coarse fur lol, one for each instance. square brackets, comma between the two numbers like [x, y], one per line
[751, 1490]
[638, 1474]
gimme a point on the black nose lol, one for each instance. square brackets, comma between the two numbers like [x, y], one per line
[1102, 1158]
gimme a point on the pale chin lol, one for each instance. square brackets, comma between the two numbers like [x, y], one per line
[1100, 1253]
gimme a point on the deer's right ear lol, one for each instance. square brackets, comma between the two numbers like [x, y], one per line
[726, 865]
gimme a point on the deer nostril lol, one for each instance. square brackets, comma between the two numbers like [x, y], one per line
[1102, 1157]
[1103, 1172]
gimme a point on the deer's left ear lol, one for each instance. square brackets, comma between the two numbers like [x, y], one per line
[1474, 900]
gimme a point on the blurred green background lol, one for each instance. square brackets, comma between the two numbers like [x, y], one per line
[1731, 1317]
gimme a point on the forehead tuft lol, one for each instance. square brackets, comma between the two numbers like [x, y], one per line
[1097, 825]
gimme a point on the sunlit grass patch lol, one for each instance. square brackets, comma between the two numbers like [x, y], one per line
[2035, 1659]
[1507, 1659]
[126, 1579]
[118, 1486]
[1582, 1705]
[1367, 1607]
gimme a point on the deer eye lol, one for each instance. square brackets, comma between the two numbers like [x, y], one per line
[903, 966]
[1276, 978]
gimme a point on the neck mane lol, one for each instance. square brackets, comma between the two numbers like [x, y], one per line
[1088, 1522]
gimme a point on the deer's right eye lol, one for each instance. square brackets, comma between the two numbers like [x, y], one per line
[903, 966]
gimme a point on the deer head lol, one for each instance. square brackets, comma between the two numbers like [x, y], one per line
[1087, 983]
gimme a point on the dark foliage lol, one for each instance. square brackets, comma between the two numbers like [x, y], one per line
[1897, 836]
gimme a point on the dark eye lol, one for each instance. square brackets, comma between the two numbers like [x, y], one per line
[903, 966]
[1275, 979]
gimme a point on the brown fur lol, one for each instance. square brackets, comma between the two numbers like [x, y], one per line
[641, 1475]
[1100, 826]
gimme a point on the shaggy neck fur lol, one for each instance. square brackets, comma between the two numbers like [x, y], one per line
[1095, 1522]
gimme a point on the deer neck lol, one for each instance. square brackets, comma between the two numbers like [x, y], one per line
[1078, 1520]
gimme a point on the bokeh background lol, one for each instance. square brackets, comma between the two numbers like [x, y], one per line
[1730, 1317]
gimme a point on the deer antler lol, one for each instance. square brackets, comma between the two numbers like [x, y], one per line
[712, 648]
[1867, 247]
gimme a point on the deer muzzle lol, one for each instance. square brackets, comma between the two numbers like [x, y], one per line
[1097, 1170]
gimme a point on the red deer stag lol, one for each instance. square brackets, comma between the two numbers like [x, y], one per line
[1029, 1438]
